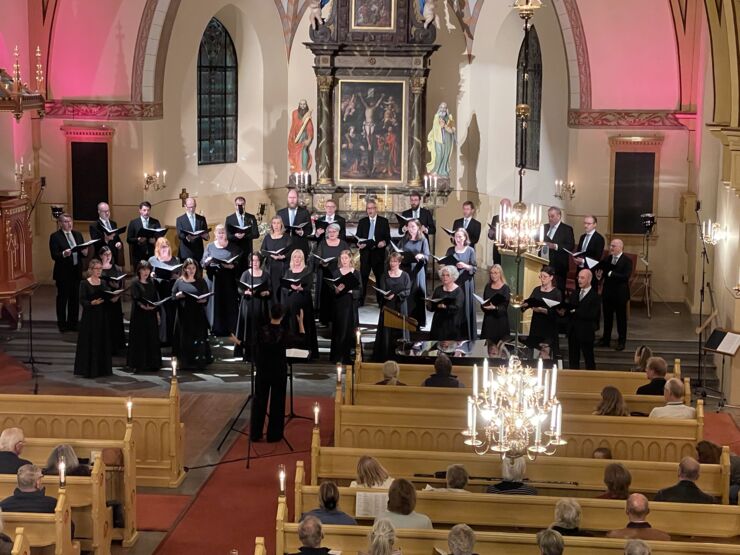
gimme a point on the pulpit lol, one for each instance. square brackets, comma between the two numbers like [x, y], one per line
[522, 275]
[16, 262]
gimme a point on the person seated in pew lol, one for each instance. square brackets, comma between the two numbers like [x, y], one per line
[568, 518]
[29, 496]
[6, 542]
[673, 393]
[656, 369]
[12, 441]
[64, 452]
[381, 539]
[457, 478]
[442, 376]
[371, 474]
[637, 547]
[401, 505]
[513, 482]
[618, 481]
[328, 513]
[686, 490]
[637, 527]
[612, 403]
[710, 453]
[311, 536]
[602, 453]
[642, 354]
[391, 369]
[550, 542]
[461, 540]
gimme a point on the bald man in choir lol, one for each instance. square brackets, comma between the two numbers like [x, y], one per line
[615, 269]
[107, 230]
[192, 230]
[297, 222]
[67, 271]
[582, 312]
[558, 238]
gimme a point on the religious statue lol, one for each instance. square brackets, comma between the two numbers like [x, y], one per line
[314, 13]
[428, 12]
[300, 138]
[440, 142]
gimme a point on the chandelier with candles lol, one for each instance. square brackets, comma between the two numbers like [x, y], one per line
[518, 408]
[17, 96]
[520, 229]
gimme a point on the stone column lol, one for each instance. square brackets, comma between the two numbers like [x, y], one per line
[325, 131]
[416, 169]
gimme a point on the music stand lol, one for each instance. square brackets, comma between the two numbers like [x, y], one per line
[726, 343]
[294, 356]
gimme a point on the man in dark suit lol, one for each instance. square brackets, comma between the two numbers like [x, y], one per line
[29, 496]
[686, 490]
[140, 247]
[655, 369]
[418, 212]
[67, 272]
[293, 215]
[330, 217]
[558, 237]
[244, 240]
[492, 236]
[468, 223]
[11, 446]
[191, 246]
[615, 270]
[372, 257]
[582, 322]
[110, 240]
[591, 244]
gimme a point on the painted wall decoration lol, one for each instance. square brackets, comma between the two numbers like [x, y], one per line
[373, 15]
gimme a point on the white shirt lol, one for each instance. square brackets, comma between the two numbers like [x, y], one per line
[586, 239]
[145, 222]
[466, 221]
[240, 219]
[674, 409]
[583, 293]
[553, 229]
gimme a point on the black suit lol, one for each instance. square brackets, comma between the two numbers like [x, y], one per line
[492, 237]
[425, 218]
[655, 387]
[143, 251]
[10, 462]
[581, 328]
[342, 225]
[67, 276]
[559, 259]
[373, 258]
[684, 491]
[193, 248]
[28, 502]
[473, 229]
[96, 232]
[616, 295]
[298, 241]
[245, 243]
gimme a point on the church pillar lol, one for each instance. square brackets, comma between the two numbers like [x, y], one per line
[325, 132]
[416, 152]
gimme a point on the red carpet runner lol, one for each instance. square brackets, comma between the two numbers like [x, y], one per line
[235, 504]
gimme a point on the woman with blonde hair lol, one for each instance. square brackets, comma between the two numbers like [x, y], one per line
[165, 270]
[346, 300]
[276, 249]
[371, 474]
[325, 261]
[448, 316]
[495, 313]
[296, 294]
[382, 539]
[391, 369]
[612, 403]
[220, 265]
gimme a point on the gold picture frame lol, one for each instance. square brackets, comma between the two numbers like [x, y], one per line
[372, 15]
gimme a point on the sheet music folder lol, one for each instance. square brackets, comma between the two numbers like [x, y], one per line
[724, 342]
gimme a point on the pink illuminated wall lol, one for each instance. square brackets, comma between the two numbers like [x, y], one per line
[92, 49]
[632, 52]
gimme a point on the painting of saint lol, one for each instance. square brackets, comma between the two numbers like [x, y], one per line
[373, 15]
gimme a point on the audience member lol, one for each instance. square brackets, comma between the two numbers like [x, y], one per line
[602, 453]
[617, 480]
[637, 527]
[612, 403]
[381, 539]
[6, 542]
[686, 490]
[456, 477]
[64, 452]
[642, 354]
[568, 518]
[11, 446]
[655, 370]
[711, 453]
[311, 536]
[550, 542]
[371, 474]
[401, 505]
[442, 376]
[328, 513]
[29, 496]
[390, 373]
[461, 540]
[637, 547]
[513, 482]
[673, 393]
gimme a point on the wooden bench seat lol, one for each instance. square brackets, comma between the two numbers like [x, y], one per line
[43, 530]
[20, 543]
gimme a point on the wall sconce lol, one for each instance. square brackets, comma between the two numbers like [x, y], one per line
[526, 8]
[711, 233]
[56, 211]
[155, 180]
[562, 189]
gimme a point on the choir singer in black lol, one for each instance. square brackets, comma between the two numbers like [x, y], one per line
[583, 314]
[374, 234]
[447, 303]
[141, 243]
[417, 212]
[396, 287]
[615, 270]
[192, 230]
[241, 230]
[107, 231]
[346, 320]
[558, 238]
[468, 223]
[297, 222]
[67, 271]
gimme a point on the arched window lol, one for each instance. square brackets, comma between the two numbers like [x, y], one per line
[529, 91]
[217, 96]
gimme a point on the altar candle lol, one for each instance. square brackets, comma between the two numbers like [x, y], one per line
[539, 372]
[475, 380]
[538, 432]
[435, 183]
[475, 418]
[316, 415]
[350, 194]
[426, 183]
[553, 418]
[470, 414]
[554, 382]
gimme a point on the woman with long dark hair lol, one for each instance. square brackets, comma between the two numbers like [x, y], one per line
[93, 355]
[415, 243]
[397, 285]
[346, 319]
[466, 266]
[144, 354]
[190, 337]
[115, 279]
[255, 290]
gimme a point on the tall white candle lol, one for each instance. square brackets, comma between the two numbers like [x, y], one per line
[164, 176]
[475, 380]
[470, 414]
[281, 477]
[546, 389]
[129, 408]
[62, 473]
[339, 373]
[316, 414]
[538, 432]
[485, 374]
[559, 425]
[542, 233]
[174, 367]
[539, 371]
[554, 383]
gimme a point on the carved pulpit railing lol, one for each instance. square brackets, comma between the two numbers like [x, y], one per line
[16, 262]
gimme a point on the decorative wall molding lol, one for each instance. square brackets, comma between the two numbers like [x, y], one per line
[576, 48]
[624, 118]
[85, 110]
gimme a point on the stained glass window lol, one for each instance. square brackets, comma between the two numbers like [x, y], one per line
[529, 91]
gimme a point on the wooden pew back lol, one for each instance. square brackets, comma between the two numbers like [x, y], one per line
[20, 543]
[43, 530]
[259, 546]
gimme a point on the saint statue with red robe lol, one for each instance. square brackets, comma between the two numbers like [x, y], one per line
[300, 139]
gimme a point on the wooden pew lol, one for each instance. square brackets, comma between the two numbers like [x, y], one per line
[20, 543]
[86, 496]
[259, 546]
[158, 432]
[560, 476]
[120, 482]
[352, 539]
[43, 530]
[628, 437]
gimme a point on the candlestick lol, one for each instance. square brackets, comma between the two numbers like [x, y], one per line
[316, 415]
[62, 472]
[281, 478]
[129, 409]
[164, 176]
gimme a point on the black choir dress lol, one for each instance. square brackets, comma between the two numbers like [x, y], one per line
[254, 312]
[417, 273]
[466, 281]
[447, 322]
[114, 311]
[496, 322]
[544, 327]
[223, 306]
[324, 290]
[345, 321]
[165, 279]
[190, 334]
[93, 355]
[276, 268]
[294, 301]
[387, 338]
[144, 354]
